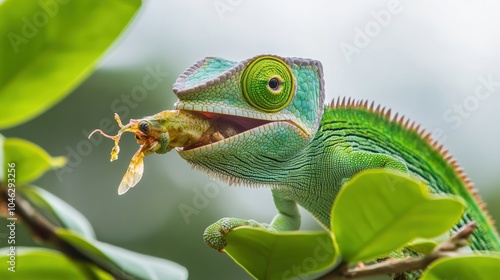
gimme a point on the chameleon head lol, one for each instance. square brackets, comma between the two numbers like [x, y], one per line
[277, 101]
[266, 108]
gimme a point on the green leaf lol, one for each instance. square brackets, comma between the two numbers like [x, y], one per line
[475, 267]
[422, 246]
[379, 211]
[284, 255]
[68, 216]
[30, 160]
[39, 263]
[124, 261]
[82, 243]
[49, 47]
[2, 173]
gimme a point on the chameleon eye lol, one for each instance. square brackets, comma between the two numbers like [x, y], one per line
[267, 84]
[144, 127]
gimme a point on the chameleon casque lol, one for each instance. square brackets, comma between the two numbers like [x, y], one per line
[263, 122]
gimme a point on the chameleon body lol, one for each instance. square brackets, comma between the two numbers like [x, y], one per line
[286, 138]
[308, 150]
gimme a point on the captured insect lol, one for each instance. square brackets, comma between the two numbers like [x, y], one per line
[163, 132]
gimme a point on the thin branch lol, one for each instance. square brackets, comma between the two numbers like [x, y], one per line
[449, 248]
[42, 229]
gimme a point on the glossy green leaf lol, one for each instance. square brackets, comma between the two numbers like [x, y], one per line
[422, 246]
[48, 47]
[30, 160]
[2, 173]
[126, 262]
[68, 216]
[82, 243]
[475, 267]
[39, 263]
[284, 255]
[379, 211]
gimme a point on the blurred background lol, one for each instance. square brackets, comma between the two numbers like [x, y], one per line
[437, 63]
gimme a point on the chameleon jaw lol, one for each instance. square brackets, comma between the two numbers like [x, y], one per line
[249, 119]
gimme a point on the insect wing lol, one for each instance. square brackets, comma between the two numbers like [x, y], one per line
[133, 174]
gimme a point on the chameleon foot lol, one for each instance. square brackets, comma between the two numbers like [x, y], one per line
[215, 234]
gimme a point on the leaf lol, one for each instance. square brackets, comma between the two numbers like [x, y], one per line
[475, 267]
[69, 217]
[422, 246]
[49, 47]
[284, 255]
[40, 263]
[379, 211]
[124, 261]
[31, 161]
[2, 173]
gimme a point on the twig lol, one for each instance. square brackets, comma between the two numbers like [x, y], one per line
[393, 266]
[42, 229]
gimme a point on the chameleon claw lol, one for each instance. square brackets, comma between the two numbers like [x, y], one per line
[215, 234]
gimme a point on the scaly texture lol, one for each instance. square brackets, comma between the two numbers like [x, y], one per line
[366, 128]
[301, 148]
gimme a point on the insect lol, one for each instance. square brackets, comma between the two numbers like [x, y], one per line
[163, 132]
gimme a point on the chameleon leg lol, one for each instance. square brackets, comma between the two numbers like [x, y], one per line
[372, 161]
[215, 234]
[365, 160]
[288, 218]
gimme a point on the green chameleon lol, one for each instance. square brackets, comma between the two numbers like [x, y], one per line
[263, 122]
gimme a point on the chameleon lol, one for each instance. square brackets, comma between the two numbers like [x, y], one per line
[264, 122]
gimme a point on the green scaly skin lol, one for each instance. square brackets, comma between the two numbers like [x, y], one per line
[305, 150]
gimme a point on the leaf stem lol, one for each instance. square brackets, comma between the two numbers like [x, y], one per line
[448, 248]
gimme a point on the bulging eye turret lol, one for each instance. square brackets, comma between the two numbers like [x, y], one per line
[268, 84]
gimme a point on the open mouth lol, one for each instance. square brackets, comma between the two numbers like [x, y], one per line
[223, 127]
